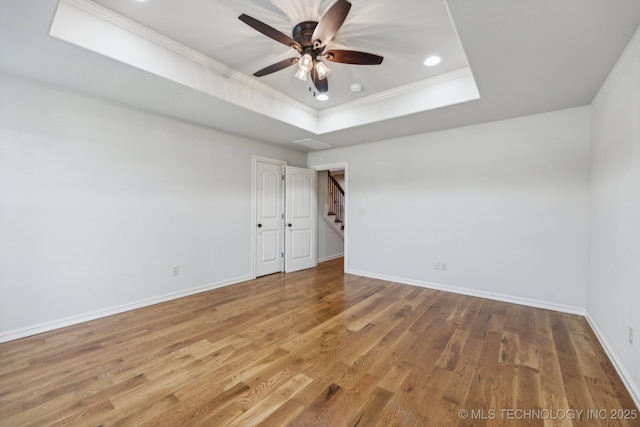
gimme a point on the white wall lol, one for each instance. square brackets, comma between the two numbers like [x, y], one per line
[504, 204]
[330, 242]
[614, 279]
[98, 202]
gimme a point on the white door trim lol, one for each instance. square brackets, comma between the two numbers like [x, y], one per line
[254, 160]
[340, 165]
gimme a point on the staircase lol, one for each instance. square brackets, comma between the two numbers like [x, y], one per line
[334, 208]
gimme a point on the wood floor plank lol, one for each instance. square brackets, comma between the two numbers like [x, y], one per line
[316, 347]
[200, 406]
[284, 414]
[457, 389]
[452, 352]
[261, 408]
[369, 414]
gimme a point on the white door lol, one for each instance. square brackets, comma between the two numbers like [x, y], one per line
[300, 215]
[269, 218]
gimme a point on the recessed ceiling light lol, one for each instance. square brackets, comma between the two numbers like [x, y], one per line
[323, 97]
[432, 60]
[356, 87]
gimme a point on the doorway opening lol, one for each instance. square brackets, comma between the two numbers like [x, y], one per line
[331, 214]
[333, 230]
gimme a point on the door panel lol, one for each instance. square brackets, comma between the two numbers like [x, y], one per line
[269, 246]
[300, 244]
[269, 226]
[300, 240]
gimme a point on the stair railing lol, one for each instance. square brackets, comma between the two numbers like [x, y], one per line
[335, 199]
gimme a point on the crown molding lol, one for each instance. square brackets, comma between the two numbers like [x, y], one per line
[187, 66]
[399, 91]
[168, 43]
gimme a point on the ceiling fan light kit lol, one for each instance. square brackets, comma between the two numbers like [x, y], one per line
[305, 64]
[310, 40]
[322, 69]
[302, 74]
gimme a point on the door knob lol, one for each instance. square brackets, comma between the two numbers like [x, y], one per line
[289, 225]
[259, 225]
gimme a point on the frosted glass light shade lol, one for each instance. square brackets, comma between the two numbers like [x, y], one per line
[323, 70]
[306, 62]
[302, 74]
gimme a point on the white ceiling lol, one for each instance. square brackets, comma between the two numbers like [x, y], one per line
[526, 56]
[383, 28]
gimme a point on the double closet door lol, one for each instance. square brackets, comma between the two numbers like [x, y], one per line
[285, 223]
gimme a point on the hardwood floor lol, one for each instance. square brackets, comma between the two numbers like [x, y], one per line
[316, 348]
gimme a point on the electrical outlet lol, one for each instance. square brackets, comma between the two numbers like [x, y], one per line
[439, 265]
[631, 333]
[175, 270]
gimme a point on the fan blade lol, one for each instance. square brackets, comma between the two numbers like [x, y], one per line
[270, 32]
[330, 23]
[321, 85]
[276, 67]
[353, 57]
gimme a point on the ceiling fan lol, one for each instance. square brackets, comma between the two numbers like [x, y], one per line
[310, 39]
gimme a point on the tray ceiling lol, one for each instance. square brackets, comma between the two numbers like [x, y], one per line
[193, 61]
[404, 32]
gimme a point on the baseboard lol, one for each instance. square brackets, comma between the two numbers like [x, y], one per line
[632, 387]
[74, 320]
[329, 258]
[474, 293]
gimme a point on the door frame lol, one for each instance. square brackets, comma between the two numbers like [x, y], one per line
[340, 165]
[254, 162]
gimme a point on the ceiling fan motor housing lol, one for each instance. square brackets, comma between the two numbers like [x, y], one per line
[303, 34]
